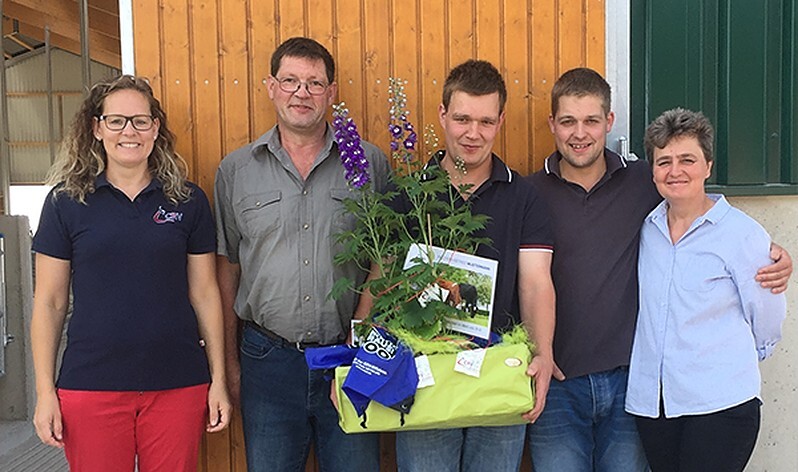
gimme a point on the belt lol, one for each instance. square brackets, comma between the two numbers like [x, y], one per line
[279, 340]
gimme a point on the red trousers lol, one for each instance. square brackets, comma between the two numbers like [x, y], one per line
[110, 431]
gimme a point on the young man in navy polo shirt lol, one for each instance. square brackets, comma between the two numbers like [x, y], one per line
[598, 201]
[471, 116]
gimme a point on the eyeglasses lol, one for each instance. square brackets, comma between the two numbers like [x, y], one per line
[292, 85]
[118, 122]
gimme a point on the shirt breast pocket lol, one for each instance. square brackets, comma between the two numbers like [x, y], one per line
[704, 272]
[260, 213]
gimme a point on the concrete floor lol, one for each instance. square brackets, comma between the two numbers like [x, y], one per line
[27, 453]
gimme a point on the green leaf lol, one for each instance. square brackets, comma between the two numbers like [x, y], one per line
[340, 287]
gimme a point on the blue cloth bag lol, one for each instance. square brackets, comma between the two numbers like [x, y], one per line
[384, 370]
[329, 357]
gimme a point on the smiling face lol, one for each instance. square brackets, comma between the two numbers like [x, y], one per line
[680, 170]
[580, 130]
[470, 126]
[128, 148]
[300, 111]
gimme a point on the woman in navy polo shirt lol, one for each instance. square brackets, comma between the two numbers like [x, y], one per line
[143, 369]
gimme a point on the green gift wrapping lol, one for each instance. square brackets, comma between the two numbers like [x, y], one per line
[501, 394]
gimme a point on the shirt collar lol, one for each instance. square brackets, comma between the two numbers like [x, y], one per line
[713, 215]
[614, 163]
[499, 171]
[102, 181]
[718, 210]
[271, 139]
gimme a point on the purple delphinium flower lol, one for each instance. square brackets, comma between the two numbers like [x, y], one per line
[396, 131]
[410, 141]
[403, 136]
[349, 148]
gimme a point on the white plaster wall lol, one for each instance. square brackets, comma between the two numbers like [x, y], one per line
[777, 447]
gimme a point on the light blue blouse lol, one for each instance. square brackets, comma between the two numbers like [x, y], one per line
[704, 322]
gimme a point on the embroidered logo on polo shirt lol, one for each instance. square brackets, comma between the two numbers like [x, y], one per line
[162, 216]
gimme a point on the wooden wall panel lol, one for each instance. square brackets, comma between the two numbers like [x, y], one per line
[208, 62]
[206, 92]
[377, 65]
[352, 87]
[262, 42]
[148, 37]
[433, 63]
[234, 76]
[211, 69]
[405, 36]
[460, 23]
[292, 16]
[176, 72]
[515, 56]
[543, 72]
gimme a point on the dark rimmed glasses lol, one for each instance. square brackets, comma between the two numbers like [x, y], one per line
[292, 85]
[118, 122]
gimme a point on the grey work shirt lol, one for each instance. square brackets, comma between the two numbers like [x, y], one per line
[281, 230]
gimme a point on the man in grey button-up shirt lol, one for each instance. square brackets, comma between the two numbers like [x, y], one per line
[278, 207]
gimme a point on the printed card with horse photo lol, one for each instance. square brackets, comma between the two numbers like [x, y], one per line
[469, 286]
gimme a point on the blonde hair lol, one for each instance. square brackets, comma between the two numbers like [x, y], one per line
[83, 157]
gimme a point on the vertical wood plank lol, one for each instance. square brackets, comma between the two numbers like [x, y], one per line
[388, 452]
[461, 29]
[206, 148]
[292, 16]
[377, 62]
[320, 20]
[349, 60]
[434, 63]
[570, 34]
[217, 451]
[176, 70]
[147, 35]
[207, 135]
[544, 73]
[407, 62]
[320, 26]
[595, 36]
[515, 37]
[234, 74]
[237, 452]
[263, 36]
[202, 462]
[489, 23]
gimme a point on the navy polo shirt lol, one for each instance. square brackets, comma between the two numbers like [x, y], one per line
[518, 220]
[597, 234]
[132, 326]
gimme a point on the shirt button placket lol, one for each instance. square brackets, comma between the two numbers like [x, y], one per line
[306, 271]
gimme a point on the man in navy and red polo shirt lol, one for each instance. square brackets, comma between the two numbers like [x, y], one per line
[471, 115]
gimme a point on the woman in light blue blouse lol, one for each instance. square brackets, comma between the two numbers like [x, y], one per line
[704, 322]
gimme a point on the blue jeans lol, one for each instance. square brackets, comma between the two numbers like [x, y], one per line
[495, 449]
[584, 427]
[286, 407]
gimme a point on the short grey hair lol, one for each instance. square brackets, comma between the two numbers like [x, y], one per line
[676, 123]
